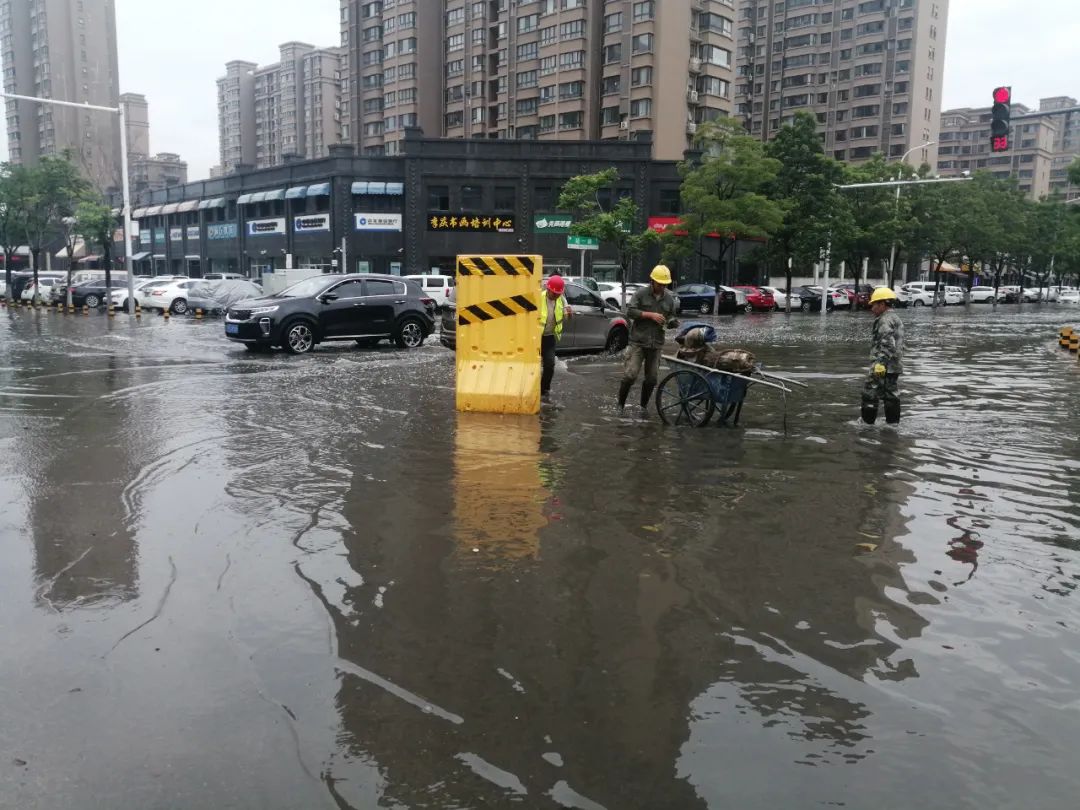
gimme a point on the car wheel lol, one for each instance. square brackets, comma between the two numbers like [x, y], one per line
[298, 338]
[806, 306]
[410, 334]
[125, 305]
[748, 308]
[705, 308]
[918, 302]
[617, 340]
[93, 301]
[613, 303]
[367, 343]
[179, 306]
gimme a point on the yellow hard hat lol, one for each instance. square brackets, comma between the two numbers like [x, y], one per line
[882, 294]
[660, 274]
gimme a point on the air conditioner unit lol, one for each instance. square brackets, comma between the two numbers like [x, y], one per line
[691, 128]
[692, 96]
[624, 125]
[695, 64]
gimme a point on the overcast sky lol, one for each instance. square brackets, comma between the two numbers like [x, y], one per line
[172, 53]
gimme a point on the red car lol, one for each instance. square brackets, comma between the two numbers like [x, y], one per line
[859, 296]
[757, 300]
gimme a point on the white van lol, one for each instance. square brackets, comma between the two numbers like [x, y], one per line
[435, 286]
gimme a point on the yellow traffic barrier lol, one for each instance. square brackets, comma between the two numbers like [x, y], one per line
[165, 314]
[498, 333]
[85, 310]
[71, 309]
[499, 497]
[1064, 334]
[112, 311]
[1074, 343]
[198, 314]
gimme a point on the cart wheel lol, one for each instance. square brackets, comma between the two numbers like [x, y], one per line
[684, 398]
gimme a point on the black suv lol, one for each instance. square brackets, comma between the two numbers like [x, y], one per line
[365, 308]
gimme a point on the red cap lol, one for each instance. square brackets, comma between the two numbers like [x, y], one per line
[556, 285]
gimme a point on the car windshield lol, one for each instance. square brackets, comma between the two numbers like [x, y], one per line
[307, 288]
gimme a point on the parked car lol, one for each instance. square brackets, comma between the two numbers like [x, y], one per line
[43, 289]
[612, 293]
[92, 293]
[120, 294]
[224, 277]
[362, 307]
[903, 299]
[982, 295]
[435, 286]
[215, 297]
[593, 325]
[811, 299]
[701, 298]
[1069, 296]
[165, 293]
[858, 294]
[780, 297]
[757, 300]
[919, 295]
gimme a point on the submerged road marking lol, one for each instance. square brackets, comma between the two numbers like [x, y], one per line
[425, 706]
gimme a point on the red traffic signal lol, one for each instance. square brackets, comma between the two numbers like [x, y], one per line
[1000, 124]
[1002, 95]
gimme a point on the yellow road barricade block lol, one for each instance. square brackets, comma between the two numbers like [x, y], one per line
[498, 333]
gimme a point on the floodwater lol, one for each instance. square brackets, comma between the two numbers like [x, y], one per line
[244, 581]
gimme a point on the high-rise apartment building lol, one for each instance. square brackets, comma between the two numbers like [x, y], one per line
[1043, 144]
[870, 71]
[148, 172]
[137, 121]
[62, 49]
[558, 69]
[290, 108]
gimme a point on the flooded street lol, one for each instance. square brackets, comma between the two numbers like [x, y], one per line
[234, 580]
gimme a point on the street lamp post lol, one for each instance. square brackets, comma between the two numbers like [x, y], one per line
[124, 180]
[896, 207]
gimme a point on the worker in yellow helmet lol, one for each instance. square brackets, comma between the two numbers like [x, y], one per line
[887, 354]
[651, 311]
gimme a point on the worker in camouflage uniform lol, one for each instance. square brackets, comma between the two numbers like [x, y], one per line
[651, 311]
[887, 353]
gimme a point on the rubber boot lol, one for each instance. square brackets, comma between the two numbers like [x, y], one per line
[869, 414]
[624, 392]
[646, 394]
[892, 413]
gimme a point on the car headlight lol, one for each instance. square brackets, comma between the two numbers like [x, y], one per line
[263, 310]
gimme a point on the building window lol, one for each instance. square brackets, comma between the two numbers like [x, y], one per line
[641, 108]
[529, 50]
[528, 22]
[406, 20]
[547, 94]
[526, 106]
[644, 10]
[612, 85]
[472, 198]
[455, 119]
[571, 90]
[455, 42]
[612, 54]
[572, 30]
[547, 123]
[505, 198]
[571, 60]
[439, 198]
[609, 116]
[640, 76]
[715, 55]
[571, 120]
[548, 65]
[455, 16]
[642, 43]
[549, 35]
[613, 23]
[527, 78]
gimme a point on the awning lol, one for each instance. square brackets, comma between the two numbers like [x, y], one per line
[319, 190]
[244, 199]
[153, 210]
[277, 194]
[189, 205]
[80, 250]
[171, 208]
[193, 258]
[218, 202]
[140, 257]
[296, 193]
[396, 189]
[373, 187]
[88, 259]
[138, 213]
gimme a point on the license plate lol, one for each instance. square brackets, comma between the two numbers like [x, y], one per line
[232, 329]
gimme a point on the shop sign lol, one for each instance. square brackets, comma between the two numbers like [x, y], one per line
[552, 223]
[159, 236]
[144, 237]
[467, 222]
[222, 230]
[664, 224]
[310, 224]
[378, 222]
[176, 234]
[193, 234]
[266, 227]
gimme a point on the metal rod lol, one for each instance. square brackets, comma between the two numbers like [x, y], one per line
[113, 110]
[129, 264]
[709, 370]
[891, 183]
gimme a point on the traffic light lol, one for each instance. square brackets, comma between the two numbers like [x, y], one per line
[999, 120]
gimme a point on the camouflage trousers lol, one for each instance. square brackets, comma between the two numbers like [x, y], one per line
[886, 388]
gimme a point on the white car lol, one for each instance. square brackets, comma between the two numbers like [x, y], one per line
[44, 289]
[166, 294]
[839, 299]
[982, 295]
[435, 287]
[120, 293]
[611, 292]
[952, 296]
[780, 297]
[919, 295]
[1068, 296]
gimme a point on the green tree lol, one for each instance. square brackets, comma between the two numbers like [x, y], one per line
[805, 188]
[724, 194]
[600, 211]
[1074, 172]
[52, 190]
[95, 223]
[12, 210]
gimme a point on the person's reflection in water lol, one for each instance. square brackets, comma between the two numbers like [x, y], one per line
[965, 548]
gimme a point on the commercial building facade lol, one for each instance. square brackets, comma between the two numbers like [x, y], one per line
[566, 70]
[405, 214]
[275, 113]
[870, 71]
[62, 49]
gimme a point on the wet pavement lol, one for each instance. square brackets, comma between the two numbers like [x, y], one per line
[243, 581]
